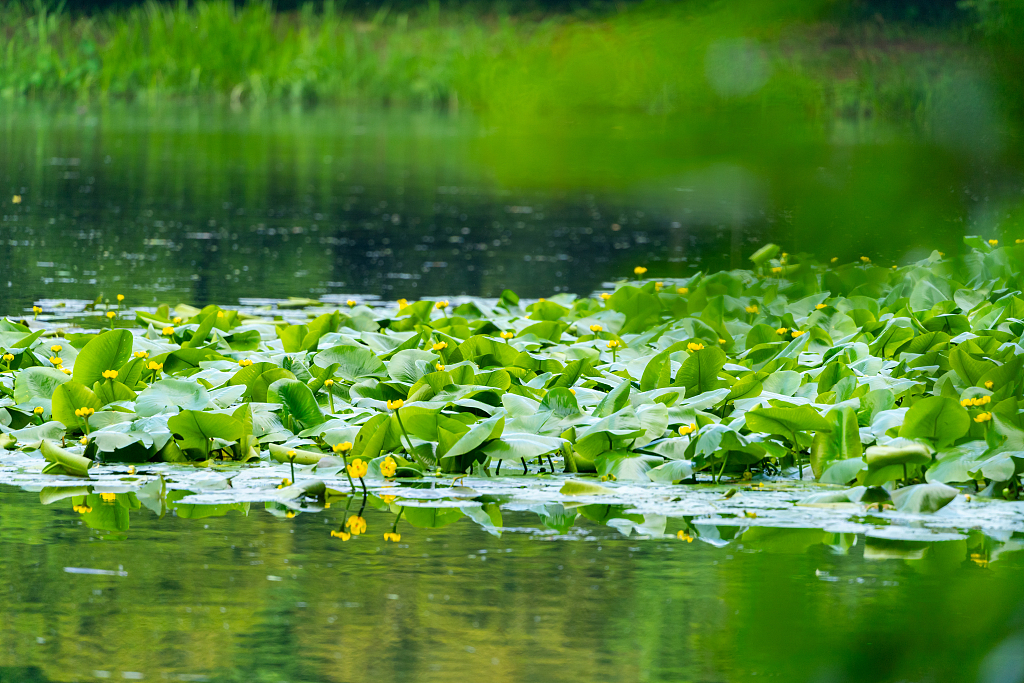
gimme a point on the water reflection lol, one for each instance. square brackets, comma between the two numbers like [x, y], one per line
[256, 597]
[203, 205]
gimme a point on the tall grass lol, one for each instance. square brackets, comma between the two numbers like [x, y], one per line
[648, 58]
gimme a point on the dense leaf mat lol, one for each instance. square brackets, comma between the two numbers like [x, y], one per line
[816, 392]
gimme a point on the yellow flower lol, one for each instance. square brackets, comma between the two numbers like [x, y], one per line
[402, 303]
[388, 499]
[84, 412]
[141, 354]
[16, 199]
[38, 410]
[687, 429]
[797, 333]
[820, 306]
[605, 296]
[357, 469]
[351, 303]
[722, 341]
[57, 360]
[343, 535]
[176, 320]
[392, 536]
[66, 371]
[108, 497]
[865, 259]
[989, 384]
[440, 368]
[683, 290]
[749, 513]
[84, 441]
[120, 297]
[507, 335]
[983, 417]
[658, 286]
[83, 509]
[440, 345]
[834, 259]
[895, 267]
[541, 300]
[8, 357]
[245, 362]
[441, 305]
[966, 402]
[342, 447]
[291, 454]
[984, 400]
[168, 331]
[993, 242]
[781, 330]
[751, 309]
[639, 270]
[290, 514]
[614, 343]
[111, 314]
[572, 391]
[776, 270]
[356, 524]
[694, 346]
[683, 536]
[395, 405]
[388, 467]
[131, 469]
[596, 328]
[56, 348]
[153, 365]
[37, 310]
[109, 374]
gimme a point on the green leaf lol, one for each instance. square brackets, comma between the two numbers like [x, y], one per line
[561, 402]
[69, 397]
[354, 362]
[878, 457]
[671, 472]
[516, 446]
[171, 394]
[479, 433]
[107, 351]
[938, 418]
[432, 518]
[202, 332]
[614, 401]
[302, 456]
[66, 462]
[787, 421]
[841, 443]
[297, 400]
[699, 372]
[578, 487]
[37, 382]
[194, 430]
[923, 498]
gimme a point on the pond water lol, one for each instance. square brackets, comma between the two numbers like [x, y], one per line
[264, 598]
[204, 204]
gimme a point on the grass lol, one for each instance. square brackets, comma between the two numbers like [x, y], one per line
[648, 58]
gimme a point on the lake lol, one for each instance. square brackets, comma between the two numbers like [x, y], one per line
[202, 204]
[264, 598]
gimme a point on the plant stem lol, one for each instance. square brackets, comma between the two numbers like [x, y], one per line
[406, 435]
[570, 461]
[722, 469]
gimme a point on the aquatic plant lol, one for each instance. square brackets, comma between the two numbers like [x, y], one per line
[896, 381]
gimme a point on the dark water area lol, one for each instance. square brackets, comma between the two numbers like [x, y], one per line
[203, 204]
[264, 598]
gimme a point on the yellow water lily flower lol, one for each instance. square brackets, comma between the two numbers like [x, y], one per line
[8, 357]
[993, 242]
[167, 331]
[639, 270]
[441, 305]
[782, 330]
[751, 309]
[120, 297]
[343, 447]
[16, 199]
[683, 536]
[328, 383]
[392, 536]
[402, 303]
[153, 365]
[245, 362]
[176, 320]
[290, 514]
[989, 384]
[84, 412]
[388, 467]
[56, 348]
[351, 303]
[797, 333]
[109, 374]
[605, 296]
[111, 314]
[38, 410]
[395, 405]
[596, 328]
[818, 307]
[507, 335]
[439, 366]
[357, 468]
[343, 535]
[865, 259]
[440, 345]
[108, 497]
[683, 290]
[776, 270]
[356, 524]
[687, 429]
[983, 417]
[141, 354]
[57, 360]
[694, 346]
[614, 343]
[66, 371]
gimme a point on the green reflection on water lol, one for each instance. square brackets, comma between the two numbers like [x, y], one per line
[261, 598]
[205, 204]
